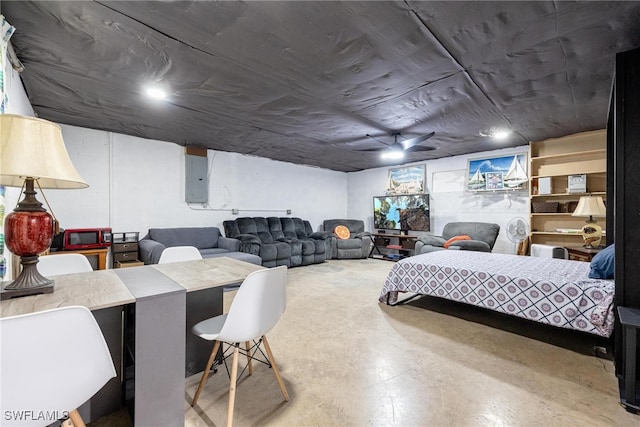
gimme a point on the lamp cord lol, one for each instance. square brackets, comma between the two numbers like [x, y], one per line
[56, 224]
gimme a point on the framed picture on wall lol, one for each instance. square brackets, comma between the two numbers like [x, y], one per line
[505, 173]
[494, 181]
[407, 180]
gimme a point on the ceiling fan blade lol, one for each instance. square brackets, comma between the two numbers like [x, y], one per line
[417, 148]
[412, 142]
[392, 147]
[371, 150]
[377, 140]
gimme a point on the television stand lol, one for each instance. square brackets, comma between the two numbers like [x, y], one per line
[392, 247]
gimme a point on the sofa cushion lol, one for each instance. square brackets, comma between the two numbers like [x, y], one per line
[258, 227]
[432, 240]
[289, 229]
[470, 245]
[200, 237]
[308, 247]
[350, 244]
[212, 251]
[275, 229]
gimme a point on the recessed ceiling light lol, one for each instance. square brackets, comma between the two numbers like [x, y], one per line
[156, 92]
[497, 134]
[501, 135]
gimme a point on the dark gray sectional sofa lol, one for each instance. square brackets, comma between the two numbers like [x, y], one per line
[280, 241]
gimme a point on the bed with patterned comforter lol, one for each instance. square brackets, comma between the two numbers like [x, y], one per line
[556, 292]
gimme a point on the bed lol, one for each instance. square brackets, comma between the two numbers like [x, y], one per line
[555, 292]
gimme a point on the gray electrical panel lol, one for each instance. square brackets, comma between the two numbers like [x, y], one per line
[196, 184]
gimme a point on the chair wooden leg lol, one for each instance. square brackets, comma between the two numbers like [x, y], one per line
[232, 385]
[205, 373]
[276, 371]
[248, 347]
[76, 419]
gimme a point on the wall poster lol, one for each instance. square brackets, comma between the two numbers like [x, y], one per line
[407, 180]
[498, 173]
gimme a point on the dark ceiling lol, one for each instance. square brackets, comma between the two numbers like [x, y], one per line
[306, 82]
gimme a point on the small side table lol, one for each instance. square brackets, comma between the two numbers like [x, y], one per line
[580, 253]
[630, 320]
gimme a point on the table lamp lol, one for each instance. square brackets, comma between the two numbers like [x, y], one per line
[591, 206]
[32, 153]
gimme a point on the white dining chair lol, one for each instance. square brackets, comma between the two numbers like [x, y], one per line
[53, 265]
[255, 310]
[52, 362]
[179, 253]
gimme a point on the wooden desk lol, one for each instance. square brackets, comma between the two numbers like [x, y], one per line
[160, 296]
[101, 253]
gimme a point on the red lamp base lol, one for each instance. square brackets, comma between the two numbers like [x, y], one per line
[28, 232]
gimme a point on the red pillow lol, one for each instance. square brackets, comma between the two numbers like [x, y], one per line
[454, 239]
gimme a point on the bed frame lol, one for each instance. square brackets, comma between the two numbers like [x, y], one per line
[556, 292]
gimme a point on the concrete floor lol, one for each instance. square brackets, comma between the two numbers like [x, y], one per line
[349, 361]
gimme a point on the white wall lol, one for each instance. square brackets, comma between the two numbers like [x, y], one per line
[136, 184]
[448, 199]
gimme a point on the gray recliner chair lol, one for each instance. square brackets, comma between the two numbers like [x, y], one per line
[483, 236]
[357, 245]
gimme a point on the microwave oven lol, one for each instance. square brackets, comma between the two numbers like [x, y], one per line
[86, 238]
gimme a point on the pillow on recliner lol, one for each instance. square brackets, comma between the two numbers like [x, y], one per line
[455, 239]
[342, 232]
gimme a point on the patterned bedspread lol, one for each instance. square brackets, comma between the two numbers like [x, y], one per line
[552, 291]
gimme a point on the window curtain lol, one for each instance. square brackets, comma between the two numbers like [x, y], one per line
[6, 31]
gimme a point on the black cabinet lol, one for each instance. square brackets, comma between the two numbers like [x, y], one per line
[623, 156]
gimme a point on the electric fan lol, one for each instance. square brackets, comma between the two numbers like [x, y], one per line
[517, 231]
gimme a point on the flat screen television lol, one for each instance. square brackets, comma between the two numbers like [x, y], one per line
[407, 212]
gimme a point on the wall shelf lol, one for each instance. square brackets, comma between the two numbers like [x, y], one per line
[557, 158]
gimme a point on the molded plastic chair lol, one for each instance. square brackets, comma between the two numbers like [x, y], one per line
[78, 364]
[179, 253]
[255, 310]
[52, 265]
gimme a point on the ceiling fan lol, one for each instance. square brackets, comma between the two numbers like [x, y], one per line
[398, 148]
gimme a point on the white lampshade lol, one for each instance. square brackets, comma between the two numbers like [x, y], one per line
[590, 206]
[31, 147]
